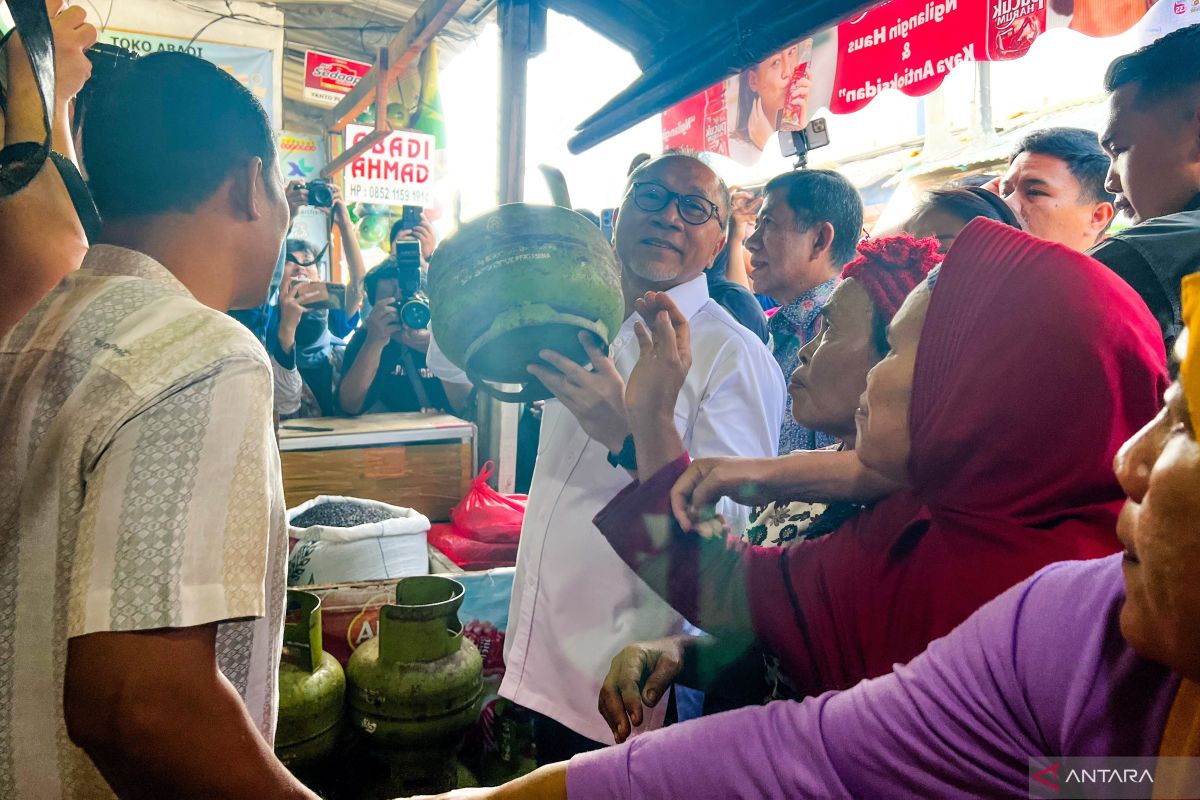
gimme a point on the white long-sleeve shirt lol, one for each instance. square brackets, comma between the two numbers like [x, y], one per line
[575, 604]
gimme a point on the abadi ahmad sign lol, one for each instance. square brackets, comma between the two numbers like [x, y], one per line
[396, 171]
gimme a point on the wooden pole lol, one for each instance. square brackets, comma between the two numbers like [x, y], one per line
[404, 51]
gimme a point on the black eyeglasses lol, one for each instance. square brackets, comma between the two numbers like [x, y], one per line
[291, 257]
[693, 209]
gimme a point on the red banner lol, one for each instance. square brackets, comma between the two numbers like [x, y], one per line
[911, 45]
[907, 45]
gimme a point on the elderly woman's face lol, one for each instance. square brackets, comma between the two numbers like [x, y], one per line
[826, 387]
[1159, 469]
[882, 417]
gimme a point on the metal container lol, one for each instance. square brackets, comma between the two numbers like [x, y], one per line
[415, 687]
[517, 280]
[312, 686]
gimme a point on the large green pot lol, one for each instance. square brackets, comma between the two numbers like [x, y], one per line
[312, 686]
[415, 687]
[520, 279]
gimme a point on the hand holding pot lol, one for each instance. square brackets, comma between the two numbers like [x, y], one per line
[596, 398]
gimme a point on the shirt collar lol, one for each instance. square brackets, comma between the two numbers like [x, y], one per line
[108, 259]
[805, 307]
[1195, 204]
[690, 297]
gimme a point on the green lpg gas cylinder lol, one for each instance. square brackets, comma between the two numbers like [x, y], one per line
[312, 686]
[517, 280]
[415, 687]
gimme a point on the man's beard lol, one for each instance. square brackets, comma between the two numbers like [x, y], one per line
[656, 272]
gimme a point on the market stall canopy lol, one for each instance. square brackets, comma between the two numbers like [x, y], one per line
[685, 46]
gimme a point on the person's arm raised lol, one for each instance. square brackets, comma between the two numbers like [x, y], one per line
[42, 235]
[356, 383]
[355, 292]
[816, 475]
[155, 714]
[654, 383]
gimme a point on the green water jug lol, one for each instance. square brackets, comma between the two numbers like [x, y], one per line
[312, 686]
[415, 688]
[519, 279]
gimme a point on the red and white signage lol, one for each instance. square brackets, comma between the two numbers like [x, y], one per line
[397, 171]
[327, 78]
[907, 45]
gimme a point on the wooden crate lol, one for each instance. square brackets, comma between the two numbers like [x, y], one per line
[422, 461]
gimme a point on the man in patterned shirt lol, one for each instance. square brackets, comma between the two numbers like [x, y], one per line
[807, 230]
[142, 538]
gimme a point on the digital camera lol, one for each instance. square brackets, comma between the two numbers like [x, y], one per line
[320, 193]
[412, 304]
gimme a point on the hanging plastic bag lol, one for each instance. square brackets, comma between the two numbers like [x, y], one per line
[486, 515]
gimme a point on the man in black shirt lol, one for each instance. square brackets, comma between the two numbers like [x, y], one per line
[384, 367]
[1153, 140]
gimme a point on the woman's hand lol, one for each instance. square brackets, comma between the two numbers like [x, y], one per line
[746, 481]
[639, 676]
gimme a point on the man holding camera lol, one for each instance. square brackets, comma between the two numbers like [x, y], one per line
[384, 366]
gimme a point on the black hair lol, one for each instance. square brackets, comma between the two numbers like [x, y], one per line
[295, 245]
[166, 132]
[1080, 150]
[972, 180]
[1162, 70]
[822, 195]
[380, 272]
[970, 202]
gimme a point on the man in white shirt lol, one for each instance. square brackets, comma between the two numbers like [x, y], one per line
[575, 604]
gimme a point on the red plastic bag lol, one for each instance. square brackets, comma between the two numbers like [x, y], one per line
[469, 553]
[485, 515]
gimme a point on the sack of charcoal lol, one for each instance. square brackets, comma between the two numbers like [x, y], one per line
[347, 539]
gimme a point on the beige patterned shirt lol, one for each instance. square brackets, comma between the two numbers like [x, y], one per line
[139, 489]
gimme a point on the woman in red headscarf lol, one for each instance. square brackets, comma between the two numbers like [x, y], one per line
[1034, 364]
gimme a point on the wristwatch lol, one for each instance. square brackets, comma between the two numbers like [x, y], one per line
[626, 457]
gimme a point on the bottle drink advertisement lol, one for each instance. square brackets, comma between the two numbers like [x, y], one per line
[1013, 26]
[794, 115]
[716, 121]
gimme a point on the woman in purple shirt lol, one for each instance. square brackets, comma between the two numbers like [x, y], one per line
[1084, 659]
